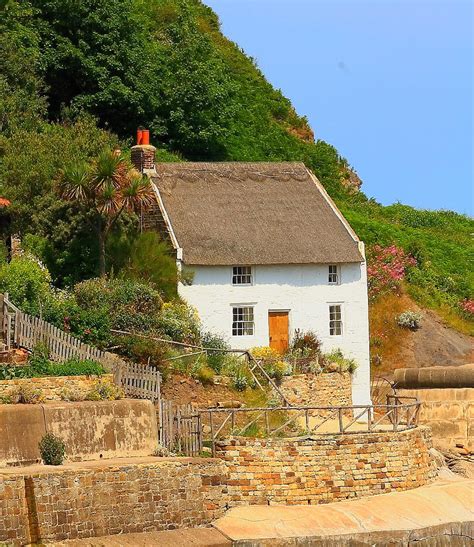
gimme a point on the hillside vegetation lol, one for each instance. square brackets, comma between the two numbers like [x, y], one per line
[78, 76]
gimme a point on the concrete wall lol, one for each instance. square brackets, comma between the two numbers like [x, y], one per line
[449, 412]
[52, 387]
[43, 504]
[326, 468]
[304, 291]
[90, 429]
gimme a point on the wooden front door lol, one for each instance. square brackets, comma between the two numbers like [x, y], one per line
[278, 330]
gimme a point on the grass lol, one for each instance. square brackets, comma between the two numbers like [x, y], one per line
[386, 337]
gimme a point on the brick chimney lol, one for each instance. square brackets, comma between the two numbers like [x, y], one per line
[143, 153]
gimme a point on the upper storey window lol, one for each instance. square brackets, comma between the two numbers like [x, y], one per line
[333, 274]
[242, 275]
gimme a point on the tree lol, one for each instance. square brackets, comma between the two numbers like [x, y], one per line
[151, 260]
[108, 187]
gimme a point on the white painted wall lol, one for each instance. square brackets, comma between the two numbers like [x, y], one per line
[304, 291]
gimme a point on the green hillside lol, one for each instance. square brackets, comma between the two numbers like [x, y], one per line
[76, 76]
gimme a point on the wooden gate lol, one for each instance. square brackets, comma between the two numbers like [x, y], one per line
[180, 428]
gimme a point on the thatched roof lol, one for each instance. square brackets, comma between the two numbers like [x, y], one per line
[253, 213]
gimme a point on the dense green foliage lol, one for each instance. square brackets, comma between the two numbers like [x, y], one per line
[52, 449]
[76, 77]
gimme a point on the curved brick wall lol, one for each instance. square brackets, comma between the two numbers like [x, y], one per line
[327, 468]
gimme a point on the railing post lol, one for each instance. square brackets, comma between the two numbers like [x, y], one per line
[341, 424]
[211, 425]
[2, 316]
[306, 418]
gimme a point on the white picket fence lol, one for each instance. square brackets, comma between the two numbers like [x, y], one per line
[26, 331]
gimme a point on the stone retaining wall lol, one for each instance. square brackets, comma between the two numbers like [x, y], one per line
[325, 468]
[326, 389]
[50, 504]
[53, 386]
[448, 411]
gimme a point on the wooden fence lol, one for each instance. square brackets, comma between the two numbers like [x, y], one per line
[180, 428]
[400, 414]
[139, 381]
[25, 331]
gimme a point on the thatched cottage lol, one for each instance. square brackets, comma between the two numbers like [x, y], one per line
[270, 253]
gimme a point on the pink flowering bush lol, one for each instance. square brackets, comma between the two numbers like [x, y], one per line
[467, 307]
[387, 267]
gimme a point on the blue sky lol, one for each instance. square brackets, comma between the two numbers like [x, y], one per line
[389, 83]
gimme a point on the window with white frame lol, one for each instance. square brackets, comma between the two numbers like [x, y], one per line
[242, 275]
[242, 321]
[333, 275]
[335, 319]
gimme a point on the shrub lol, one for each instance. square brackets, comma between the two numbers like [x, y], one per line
[72, 394]
[387, 267]
[27, 282]
[76, 367]
[129, 305]
[52, 449]
[10, 372]
[204, 374]
[305, 344]
[240, 382]
[277, 369]
[215, 359]
[409, 320]
[345, 364]
[6, 399]
[150, 259]
[27, 395]
[104, 391]
[265, 353]
[467, 308]
[39, 360]
[144, 350]
[179, 322]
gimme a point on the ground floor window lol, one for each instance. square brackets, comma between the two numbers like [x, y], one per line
[242, 321]
[335, 319]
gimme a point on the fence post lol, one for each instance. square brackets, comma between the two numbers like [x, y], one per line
[211, 425]
[2, 316]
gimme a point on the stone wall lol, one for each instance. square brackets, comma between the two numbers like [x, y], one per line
[89, 429]
[53, 386]
[326, 468]
[448, 411]
[13, 511]
[326, 389]
[44, 504]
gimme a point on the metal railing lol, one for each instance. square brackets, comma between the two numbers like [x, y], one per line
[398, 414]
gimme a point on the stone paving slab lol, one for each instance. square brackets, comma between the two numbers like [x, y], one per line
[195, 537]
[442, 508]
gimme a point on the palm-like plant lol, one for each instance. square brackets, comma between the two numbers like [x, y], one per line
[109, 186]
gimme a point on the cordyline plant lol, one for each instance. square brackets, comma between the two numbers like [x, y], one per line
[109, 186]
[386, 269]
